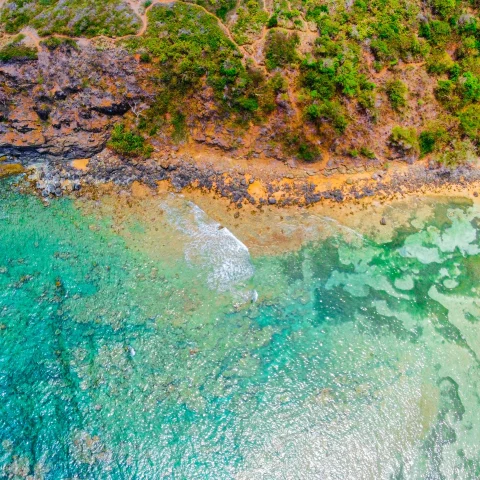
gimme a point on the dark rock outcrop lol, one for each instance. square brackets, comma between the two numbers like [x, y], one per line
[62, 106]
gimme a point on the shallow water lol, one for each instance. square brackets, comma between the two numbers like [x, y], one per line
[350, 358]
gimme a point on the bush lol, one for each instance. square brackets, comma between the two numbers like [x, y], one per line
[469, 87]
[436, 31]
[405, 139]
[145, 57]
[187, 47]
[127, 143]
[71, 17]
[366, 152]
[328, 111]
[427, 141]
[439, 63]
[179, 126]
[470, 121]
[247, 103]
[444, 8]
[280, 49]
[272, 21]
[297, 144]
[397, 94]
[445, 91]
[460, 153]
[308, 152]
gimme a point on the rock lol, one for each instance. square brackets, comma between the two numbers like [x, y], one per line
[43, 111]
[383, 221]
[63, 118]
[272, 200]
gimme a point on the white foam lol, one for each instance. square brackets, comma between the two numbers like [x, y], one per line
[224, 258]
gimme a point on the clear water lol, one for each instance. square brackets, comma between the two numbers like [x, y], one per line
[346, 359]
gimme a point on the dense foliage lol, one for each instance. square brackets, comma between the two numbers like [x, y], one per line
[70, 17]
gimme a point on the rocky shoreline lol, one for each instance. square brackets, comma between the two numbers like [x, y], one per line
[56, 178]
[62, 107]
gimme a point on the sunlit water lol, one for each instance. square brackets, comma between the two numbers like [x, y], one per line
[346, 359]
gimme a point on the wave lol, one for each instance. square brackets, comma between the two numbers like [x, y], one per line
[225, 259]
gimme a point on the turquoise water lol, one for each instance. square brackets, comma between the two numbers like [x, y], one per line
[346, 359]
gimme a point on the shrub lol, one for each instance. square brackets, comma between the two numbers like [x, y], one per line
[272, 21]
[188, 47]
[469, 87]
[436, 31]
[366, 152]
[71, 17]
[405, 139]
[427, 141]
[280, 49]
[439, 63]
[470, 121]
[367, 98]
[127, 143]
[445, 91]
[444, 8]
[179, 126]
[145, 57]
[308, 152]
[328, 111]
[397, 94]
[247, 103]
[460, 153]
[297, 144]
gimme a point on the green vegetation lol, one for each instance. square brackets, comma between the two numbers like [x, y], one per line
[330, 112]
[179, 126]
[280, 49]
[220, 8]
[297, 144]
[250, 19]
[460, 152]
[17, 51]
[127, 143]
[439, 63]
[338, 59]
[427, 140]
[366, 152]
[52, 43]
[405, 140]
[189, 52]
[71, 17]
[470, 121]
[397, 94]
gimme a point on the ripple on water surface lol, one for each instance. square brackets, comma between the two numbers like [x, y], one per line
[358, 360]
